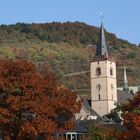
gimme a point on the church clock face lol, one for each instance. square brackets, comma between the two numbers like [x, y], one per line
[98, 87]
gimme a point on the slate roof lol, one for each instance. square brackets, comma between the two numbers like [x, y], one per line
[123, 96]
[102, 48]
[87, 106]
[80, 128]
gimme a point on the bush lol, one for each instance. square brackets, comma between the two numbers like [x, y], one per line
[131, 55]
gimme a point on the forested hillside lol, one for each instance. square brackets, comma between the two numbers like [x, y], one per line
[64, 48]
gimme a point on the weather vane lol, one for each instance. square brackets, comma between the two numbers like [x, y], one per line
[101, 16]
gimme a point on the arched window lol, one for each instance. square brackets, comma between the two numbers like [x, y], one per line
[111, 71]
[98, 87]
[98, 71]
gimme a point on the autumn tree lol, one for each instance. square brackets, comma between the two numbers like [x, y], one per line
[32, 104]
[131, 116]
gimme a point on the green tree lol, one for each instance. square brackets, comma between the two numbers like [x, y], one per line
[100, 132]
[115, 114]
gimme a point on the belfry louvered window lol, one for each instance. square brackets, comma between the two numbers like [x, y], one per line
[98, 71]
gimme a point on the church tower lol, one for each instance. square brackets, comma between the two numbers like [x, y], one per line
[103, 78]
[126, 87]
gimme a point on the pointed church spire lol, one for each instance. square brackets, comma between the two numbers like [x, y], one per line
[125, 88]
[102, 48]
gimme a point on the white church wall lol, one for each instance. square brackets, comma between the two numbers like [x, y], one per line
[103, 97]
[112, 89]
[101, 107]
[111, 105]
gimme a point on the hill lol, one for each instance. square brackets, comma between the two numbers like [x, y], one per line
[65, 48]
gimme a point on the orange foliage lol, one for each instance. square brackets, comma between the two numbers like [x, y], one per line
[31, 104]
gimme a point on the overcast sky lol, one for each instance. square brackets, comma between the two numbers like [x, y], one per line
[121, 17]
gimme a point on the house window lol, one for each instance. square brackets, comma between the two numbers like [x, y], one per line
[111, 71]
[98, 71]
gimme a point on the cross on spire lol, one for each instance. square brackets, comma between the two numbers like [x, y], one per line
[101, 16]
